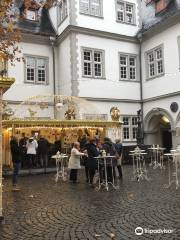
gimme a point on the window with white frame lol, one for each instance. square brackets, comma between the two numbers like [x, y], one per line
[93, 63]
[62, 11]
[128, 67]
[155, 62]
[130, 128]
[125, 12]
[36, 70]
[91, 7]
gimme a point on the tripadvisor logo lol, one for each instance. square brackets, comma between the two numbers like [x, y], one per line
[139, 231]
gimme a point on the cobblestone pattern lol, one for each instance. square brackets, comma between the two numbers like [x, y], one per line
[46, 210]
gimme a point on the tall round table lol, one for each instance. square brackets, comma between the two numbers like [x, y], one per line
[105, 161]
[61, 164]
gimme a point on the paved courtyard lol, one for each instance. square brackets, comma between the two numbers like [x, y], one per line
[46, 210]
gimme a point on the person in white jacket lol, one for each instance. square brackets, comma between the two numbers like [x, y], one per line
[74, 161]
[31, 146]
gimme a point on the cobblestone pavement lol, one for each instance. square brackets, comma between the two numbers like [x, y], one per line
[48, 210]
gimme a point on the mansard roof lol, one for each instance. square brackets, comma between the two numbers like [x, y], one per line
[42, 26]
[150, 19]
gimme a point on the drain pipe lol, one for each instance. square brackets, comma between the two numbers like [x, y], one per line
[52, 40]
[141, 85]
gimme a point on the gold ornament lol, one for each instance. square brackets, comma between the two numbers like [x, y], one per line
[115, 113]
[70, 113]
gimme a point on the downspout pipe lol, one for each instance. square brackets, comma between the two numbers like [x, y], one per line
[141, 85]
[52, 40]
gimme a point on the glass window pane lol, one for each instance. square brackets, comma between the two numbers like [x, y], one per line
[30, 62]
[97, 56]
[87, 69]
[126, 133]
[134, 132]
[132, 61]
[123, 60]
[87, 55]
[150, 57]
[134, 120]
[97, 70]
[125, 120]
[120, 12]
[84, 6]
[159, 54]
[41, 63]
[95, 7]
[160, 67]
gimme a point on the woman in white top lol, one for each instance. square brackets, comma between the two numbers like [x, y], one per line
[74, 161]
[31, 146]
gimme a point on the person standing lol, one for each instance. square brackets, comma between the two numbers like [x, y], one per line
[23, 150]
[57, 146]
[43, 149]
[16, 159]
[92, 152]
[109, 148]
[74, 161]
[119, 148]
[31, 146]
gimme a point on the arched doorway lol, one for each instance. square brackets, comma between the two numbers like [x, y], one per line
[158, 124]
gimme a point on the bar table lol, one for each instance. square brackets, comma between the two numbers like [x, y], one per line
[105, 161]
[61, 164]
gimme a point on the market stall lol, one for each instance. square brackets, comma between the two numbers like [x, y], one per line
[67, 131]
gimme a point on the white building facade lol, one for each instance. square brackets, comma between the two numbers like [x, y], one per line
[100, 50]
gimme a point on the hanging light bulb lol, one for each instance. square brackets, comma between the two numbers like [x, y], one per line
[59, 106]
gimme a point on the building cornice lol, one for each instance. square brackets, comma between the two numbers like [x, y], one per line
[168, 95]
[35, 38]
[97, 33]
[112, 100]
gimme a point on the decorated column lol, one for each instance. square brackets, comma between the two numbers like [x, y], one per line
[114, 132]
[5, 84]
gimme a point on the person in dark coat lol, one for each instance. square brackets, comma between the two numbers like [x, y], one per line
[43, 150]
[85, 159]
[23, 150]
[57, 146]
[119, 148]
[16, 159]
[109, 147]
[92, 152]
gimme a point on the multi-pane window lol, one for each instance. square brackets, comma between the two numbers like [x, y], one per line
[125, 12]
[130, 128]
[62, 10]
[159, 60]
[155, 63]
[123, 67]
[134, 121]
[36, 70]
[91, 7]
[126, 128]
[93, 63]
[128, 67]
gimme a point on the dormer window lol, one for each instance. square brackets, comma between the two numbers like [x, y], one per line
[160, 5]
[31, 15]
[62, 11]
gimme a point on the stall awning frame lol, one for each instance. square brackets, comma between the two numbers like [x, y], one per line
[20, 123]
